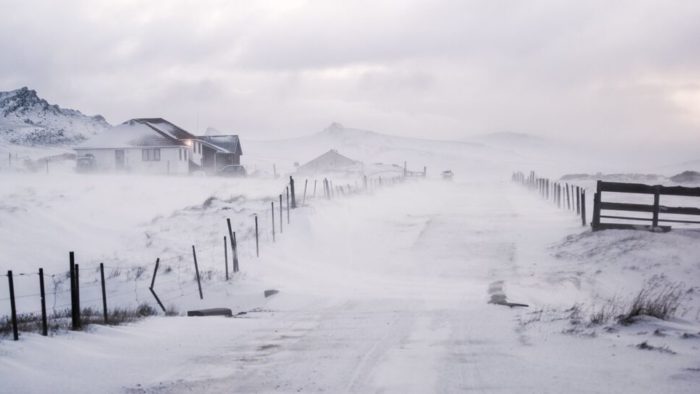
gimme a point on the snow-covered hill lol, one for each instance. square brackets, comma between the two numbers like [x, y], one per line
[372, 147]
[27, 119]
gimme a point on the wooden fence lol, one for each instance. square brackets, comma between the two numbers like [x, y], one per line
[655, 209]
[565, 196]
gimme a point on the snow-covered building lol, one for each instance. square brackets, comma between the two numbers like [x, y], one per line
[331, 162]
[156, 146]
[220, 150]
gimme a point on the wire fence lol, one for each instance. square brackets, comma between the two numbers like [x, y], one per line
[84, 289]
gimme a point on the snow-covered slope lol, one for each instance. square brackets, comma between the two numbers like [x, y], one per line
[392, 285]
[27, 119]
[371, 147]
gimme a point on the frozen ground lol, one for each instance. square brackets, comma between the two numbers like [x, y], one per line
[381, 292]
[390, 293]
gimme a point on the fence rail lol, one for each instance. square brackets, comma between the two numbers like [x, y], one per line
[656, 209]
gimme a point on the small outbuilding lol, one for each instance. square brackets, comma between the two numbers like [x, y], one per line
[219, 151]
[331, 162]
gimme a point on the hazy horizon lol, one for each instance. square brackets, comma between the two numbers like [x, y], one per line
[623, 72]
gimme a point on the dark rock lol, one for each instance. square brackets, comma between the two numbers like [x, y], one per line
[211, 312]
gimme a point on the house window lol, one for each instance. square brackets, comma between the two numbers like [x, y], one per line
[150, 154]
[179, 152]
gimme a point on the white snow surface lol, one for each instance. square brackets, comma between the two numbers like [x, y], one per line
[385, 291]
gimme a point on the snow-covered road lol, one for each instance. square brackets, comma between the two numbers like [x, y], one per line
[382, 293]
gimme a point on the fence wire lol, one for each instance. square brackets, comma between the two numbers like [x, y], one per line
[176, 275]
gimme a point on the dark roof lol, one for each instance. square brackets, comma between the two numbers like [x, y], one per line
[227, 143]
[159, 132]
[130, 134]
[164, 127]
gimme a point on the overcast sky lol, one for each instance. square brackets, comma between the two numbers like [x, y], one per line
[439, 69]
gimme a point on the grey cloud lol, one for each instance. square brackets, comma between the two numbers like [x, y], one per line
[563, 68]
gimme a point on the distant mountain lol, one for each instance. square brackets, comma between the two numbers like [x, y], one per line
[374, 148]
[27, 119]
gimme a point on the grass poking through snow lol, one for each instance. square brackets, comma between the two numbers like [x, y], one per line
[61, 320]
[660, 302]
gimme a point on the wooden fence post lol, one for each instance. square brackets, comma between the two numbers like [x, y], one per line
[153, 281]
[562, 203]
[78, 311]
[13, 307]
[578, 200]
[543, 194]
[291, 190]
[196, 268]
[44, 321]
[655, 214]
[583, 207]
[558, 194]
[272, 205]
[257, 244]
[288, 206]
[73, 308]
[281, 215]
[595, 223]
[104, 293]
[226, 257]
[234, 246]
[563, 196]
[235, 253]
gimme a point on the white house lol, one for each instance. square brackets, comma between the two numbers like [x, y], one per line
[156, 146]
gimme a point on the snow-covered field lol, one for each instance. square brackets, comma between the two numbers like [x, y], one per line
[386, 291]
